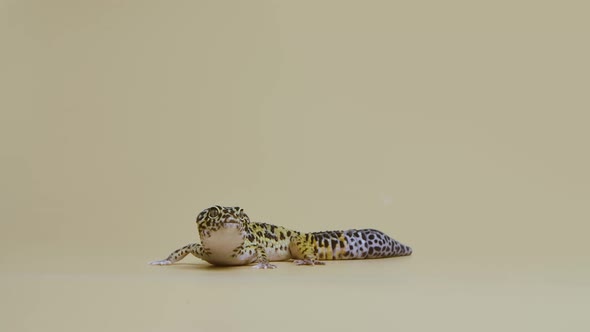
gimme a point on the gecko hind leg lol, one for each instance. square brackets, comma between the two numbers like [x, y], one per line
[178, 254]
[308, 262]
[304, 247]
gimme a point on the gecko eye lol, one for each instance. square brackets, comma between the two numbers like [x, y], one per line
[213, 213]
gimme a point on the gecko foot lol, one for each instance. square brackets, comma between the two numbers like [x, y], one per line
[264, 266]
[308, 262]
[162, 262]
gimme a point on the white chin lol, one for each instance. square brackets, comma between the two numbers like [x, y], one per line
[224, 240]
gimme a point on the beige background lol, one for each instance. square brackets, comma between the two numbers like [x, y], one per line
[458, 128]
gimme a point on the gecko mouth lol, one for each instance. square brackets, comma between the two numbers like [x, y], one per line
[231, 224]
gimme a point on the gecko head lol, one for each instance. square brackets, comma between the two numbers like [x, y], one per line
[218, 218]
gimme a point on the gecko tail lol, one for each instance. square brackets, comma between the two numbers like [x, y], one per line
[358, 244]
[389, 247]
[402, 250]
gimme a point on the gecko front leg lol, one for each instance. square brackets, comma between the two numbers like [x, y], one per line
[262, 259]
[194, 248]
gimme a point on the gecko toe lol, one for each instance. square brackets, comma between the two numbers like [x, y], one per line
[264, 266]
[308, 262]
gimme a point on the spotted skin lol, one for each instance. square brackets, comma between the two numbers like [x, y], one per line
[228, 237]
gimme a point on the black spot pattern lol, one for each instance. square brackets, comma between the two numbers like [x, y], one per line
[358, 244]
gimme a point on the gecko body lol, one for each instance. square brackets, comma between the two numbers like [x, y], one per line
[228, 237]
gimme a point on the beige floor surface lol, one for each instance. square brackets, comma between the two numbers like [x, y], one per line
[414, 293]
[460, 128]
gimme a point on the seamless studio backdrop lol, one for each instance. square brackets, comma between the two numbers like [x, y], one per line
[459, 128]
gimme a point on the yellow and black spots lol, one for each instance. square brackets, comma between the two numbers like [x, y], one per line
[303, 246]
[304, 249]
[217, 217]
[274, 239]
[330, 244]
